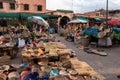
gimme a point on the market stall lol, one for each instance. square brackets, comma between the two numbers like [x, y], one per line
[13, 38]
[114, 22]
[8, 47]
[116, 35]
[113, 32]
[98, 36]
[75, 26]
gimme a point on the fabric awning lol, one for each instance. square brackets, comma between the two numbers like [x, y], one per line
[9, 15]
[45, 16]
[84, 19]
[26, 15]
[98, 19]
[114, 22]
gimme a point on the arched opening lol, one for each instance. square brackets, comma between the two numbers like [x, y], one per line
[64, 20]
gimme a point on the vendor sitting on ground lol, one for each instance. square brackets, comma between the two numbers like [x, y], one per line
[70, 36]
[77, 37]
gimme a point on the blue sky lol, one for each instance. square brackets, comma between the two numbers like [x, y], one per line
[81, 6]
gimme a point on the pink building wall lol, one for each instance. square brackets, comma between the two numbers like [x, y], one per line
[19, 4]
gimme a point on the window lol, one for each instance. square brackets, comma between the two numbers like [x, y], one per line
[12, 6]
[39, 8]
[97, 14]
[26, 7]
[1, 5]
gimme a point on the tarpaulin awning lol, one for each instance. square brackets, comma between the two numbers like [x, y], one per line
[45, 16]
[26, 15]
[84, 19]
[9, 15]
[98, 19]
[114, 22]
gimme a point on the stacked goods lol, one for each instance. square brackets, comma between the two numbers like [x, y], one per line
[59, 45]
[84, 69]
[4, 40]
[8, 48]
[47, 37]
[59, 63]
[63, 54]
[32, 53]
[4, 60]
[60, 51]
[41, 45]
[54, 45]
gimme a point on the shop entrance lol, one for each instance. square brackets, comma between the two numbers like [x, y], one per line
[64, 20]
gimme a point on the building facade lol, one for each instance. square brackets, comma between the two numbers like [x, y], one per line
[66, 15]
[26, 6]
[93, 14]
[115, 14]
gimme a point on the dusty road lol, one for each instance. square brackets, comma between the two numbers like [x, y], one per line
[108, 66]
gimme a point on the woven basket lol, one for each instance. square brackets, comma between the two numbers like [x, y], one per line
[61, 78]
[4, 60]
[3, 76]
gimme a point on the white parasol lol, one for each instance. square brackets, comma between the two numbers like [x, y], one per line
[77, 21]
[38, 20]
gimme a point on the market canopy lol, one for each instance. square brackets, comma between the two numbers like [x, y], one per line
[26, 15]
[9, 15]
[98, 19]
[84, 19]
[114, 22]
[45, 16]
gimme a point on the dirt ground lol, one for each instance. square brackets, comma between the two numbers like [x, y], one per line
[108, 66]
